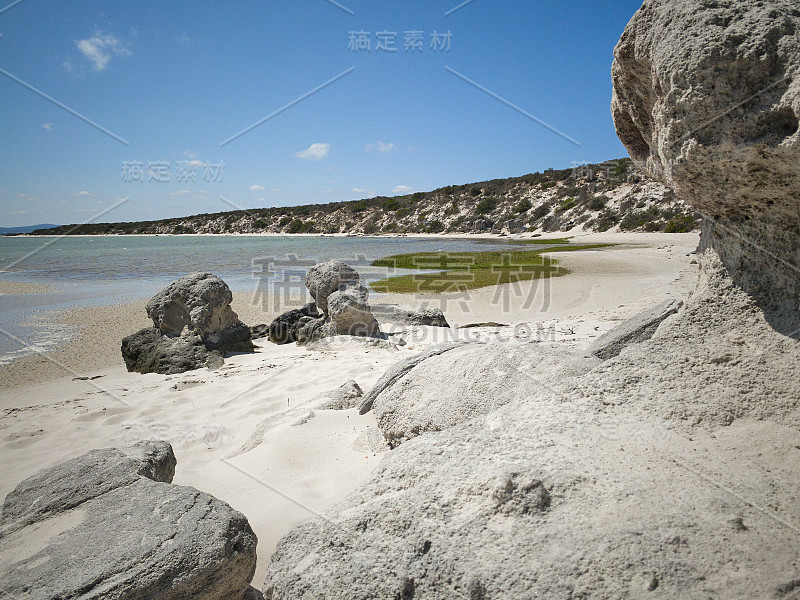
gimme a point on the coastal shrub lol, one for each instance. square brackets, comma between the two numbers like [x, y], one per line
[284, 221]
[568, 190]
[300, 226]
[567, 204]
[486, 206]
[261, 224]
[638, 218]
[359, 206]
[390, 227]
[681, 224]
[540, 211]
[523, 206]
[598, 203]
[451, 210]
[654, 226]
[417, 196]
[475, 191]
[435, 227]
[390, 205]
[606, 220]
[403, 212]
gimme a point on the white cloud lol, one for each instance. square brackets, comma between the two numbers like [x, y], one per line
[84, 193]
[47, 126]
[99, 48]
[382, 147]
[314, 152]
[190, 154]
[181, 193]
[19, 212]
[367, 193]
[403, 189]
[183, 38]
[256, 188]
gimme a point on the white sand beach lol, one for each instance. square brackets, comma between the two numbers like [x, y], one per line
[80, 397]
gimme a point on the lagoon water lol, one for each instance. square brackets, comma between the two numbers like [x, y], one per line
[91, 271]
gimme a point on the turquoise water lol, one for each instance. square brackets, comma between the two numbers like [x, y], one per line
[91, 271]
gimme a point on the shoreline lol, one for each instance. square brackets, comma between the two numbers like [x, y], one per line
[99, 329]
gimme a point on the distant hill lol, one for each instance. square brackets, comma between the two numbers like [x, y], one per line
[25, 229]
[591, 198]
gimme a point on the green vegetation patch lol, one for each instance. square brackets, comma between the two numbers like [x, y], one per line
[461, 271]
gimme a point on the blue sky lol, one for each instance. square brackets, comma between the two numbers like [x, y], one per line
[175, 80]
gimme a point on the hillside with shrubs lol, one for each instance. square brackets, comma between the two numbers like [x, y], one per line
[600, 197]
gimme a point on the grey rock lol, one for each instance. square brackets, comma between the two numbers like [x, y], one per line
[345, 396]
[70, 484]
[633, 331]
[310, 330]
[326, 278]
[464, 382]
[394, 314]
[109, 525]
[284, 328]
[707, 97]
[147, 351]
[201, 303]
[194, 327]
[399, 370]
[349, 312]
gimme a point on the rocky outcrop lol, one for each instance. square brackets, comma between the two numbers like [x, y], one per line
[707, 98]
[446, 388]
[391, 313]
[348, 395]
[637, 329]
[340, 307]
[193, 327]
[284, 329]
[108, 524]
[350, 314]
[324, 279]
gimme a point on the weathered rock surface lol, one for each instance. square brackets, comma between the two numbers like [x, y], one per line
[448, 388]
[326, 278]
[194, 326]
[707, 96]
[201, 303]
[147, 351]
[348, 395]
[637, 329]
[283, 330]
[349, 312]
[394, 314]
[399, 370]
[109, 525]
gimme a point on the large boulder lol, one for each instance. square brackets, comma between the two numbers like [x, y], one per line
[707, 97]
[349, 311]
[326, 278]
[147, 351]
[456, 383]
[200, 303]
[109, 525]
[193, 327]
